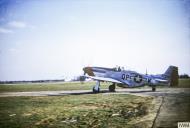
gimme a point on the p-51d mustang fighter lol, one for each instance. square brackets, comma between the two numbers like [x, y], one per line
[130, 79]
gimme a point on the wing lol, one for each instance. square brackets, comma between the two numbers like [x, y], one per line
[104, 79]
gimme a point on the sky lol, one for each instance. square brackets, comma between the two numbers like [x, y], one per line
[55, 39]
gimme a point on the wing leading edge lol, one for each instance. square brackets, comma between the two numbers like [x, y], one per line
[104, 79]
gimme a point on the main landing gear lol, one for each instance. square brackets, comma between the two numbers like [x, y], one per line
[112, 88]
[96, 88]
[153, 88]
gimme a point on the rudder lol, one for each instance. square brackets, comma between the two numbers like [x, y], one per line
[172, 73]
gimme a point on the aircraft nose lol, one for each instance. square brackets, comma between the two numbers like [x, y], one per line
[85, 69]
[88, 70]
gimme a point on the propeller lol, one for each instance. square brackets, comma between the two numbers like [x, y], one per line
[82, 78]
[146, 72]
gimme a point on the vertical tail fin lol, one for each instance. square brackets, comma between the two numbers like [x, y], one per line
[172, 74]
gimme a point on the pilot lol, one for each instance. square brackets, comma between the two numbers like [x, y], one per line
[119, 69]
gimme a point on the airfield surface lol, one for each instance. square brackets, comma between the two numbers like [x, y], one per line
[172, 103]
[133, 91]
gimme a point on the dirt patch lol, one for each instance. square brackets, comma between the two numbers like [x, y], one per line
[148, 119]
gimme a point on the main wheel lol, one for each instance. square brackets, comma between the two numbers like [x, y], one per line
[153, 89]
[112, 88]
[95, 91]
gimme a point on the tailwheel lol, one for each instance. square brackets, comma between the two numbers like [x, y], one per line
[154, 89]
[112, 88]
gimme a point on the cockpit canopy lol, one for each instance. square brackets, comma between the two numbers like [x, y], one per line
[118, 69]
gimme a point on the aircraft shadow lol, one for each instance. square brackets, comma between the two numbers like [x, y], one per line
[143, 91]
[78, 93]
[102, 91]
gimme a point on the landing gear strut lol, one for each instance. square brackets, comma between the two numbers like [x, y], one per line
[96, 88]
[112, 88]
[153, 88]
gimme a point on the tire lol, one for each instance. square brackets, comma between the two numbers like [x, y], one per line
[112, 88]
[96, 91]
[153, 89]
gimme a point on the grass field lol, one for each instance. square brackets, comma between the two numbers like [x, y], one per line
[83, 111]
[49, 86]
[90, 110]
[183, 83]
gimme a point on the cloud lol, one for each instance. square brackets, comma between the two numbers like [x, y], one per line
[11, 26]
[17, 24]
[20, 24]
[5, 31]
[13, 50]
[31, 26]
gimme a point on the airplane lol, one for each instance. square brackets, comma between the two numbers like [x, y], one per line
[129, 79]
